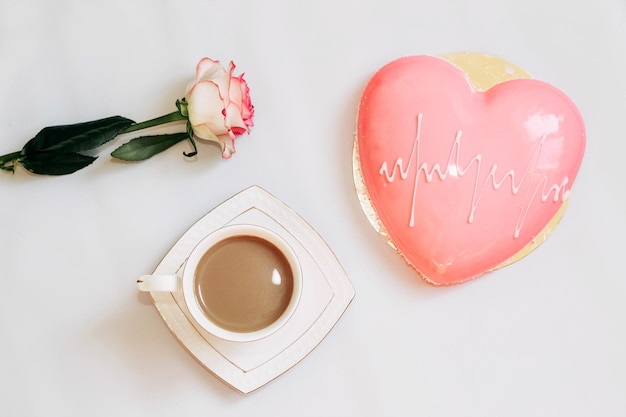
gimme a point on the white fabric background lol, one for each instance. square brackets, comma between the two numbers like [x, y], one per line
[543, 337]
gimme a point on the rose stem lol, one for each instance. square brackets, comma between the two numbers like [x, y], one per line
[172, 117]
[10, 157]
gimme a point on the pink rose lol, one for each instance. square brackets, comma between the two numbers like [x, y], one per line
[219, 104]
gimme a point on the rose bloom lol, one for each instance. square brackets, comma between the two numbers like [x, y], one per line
[219, 104]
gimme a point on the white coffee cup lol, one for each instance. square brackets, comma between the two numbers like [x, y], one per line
[240, 283]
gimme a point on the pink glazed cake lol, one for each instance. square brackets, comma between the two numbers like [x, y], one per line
[464, 163]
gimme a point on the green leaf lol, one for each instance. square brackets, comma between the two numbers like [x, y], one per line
[144, 147]
[56, 163]
[76, 137]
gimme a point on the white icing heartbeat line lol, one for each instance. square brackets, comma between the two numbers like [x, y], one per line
[453, 168]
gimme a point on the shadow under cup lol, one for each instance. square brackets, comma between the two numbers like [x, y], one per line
[246, 282]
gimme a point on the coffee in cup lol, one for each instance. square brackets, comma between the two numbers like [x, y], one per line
[240, 283]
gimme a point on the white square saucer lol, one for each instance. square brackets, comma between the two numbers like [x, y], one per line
[326, 294]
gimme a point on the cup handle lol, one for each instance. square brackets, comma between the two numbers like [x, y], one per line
[159, 283]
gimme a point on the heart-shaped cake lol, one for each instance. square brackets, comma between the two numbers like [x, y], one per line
[464, 163]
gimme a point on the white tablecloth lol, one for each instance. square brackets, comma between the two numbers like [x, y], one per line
[543, 337]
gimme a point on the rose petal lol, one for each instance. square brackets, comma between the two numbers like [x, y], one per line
[247, 109]
[228, 146]
[239, 94]
[203, 132]
[233, 117]
[235, 92]
[208, 68]
[205, 66]
[205, 107]
[238, 131]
